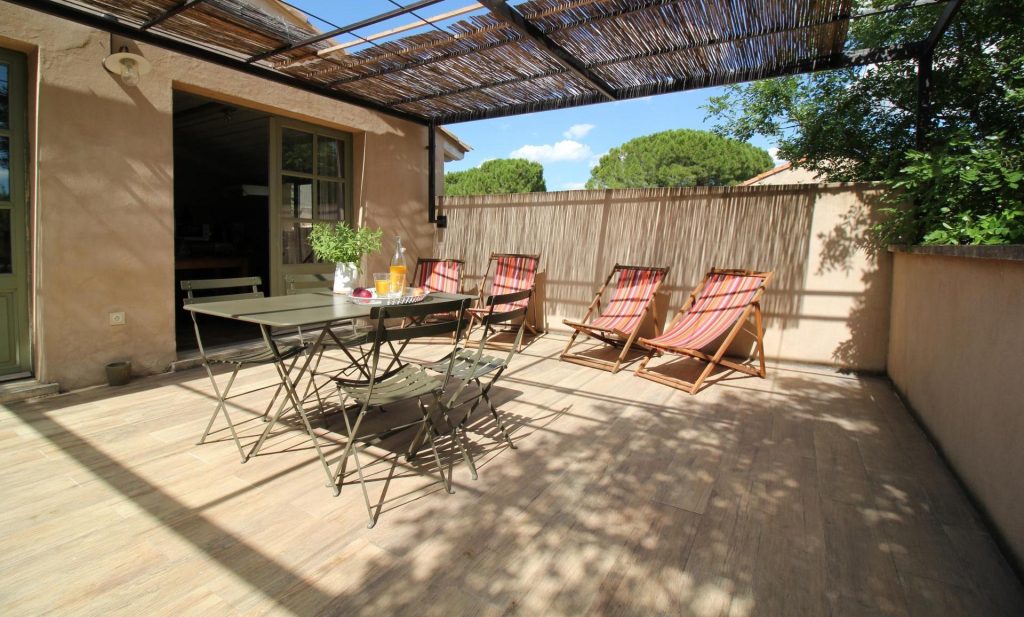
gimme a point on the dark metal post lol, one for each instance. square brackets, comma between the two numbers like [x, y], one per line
[432, 172]
[922, 126]
[924, 112]
[924, 73]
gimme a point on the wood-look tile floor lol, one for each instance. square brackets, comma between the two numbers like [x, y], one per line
[806, 493]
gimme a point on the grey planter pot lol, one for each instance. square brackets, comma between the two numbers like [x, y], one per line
[119, 373]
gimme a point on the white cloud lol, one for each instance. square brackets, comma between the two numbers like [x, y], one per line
[484, 161]
[774, 153]
[594, 160]
[573, 186]
[566, 150]
[578, 131]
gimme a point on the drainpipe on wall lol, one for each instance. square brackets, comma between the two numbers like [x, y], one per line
[431, 172]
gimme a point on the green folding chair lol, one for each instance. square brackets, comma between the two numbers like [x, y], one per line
[406, 382]
[338, 336]
[307, 283]
[470, 366]
[216, 290]
[342, 335]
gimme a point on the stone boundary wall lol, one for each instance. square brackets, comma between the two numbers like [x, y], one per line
[956, 342]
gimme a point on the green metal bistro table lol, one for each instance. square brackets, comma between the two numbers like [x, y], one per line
[299, 310]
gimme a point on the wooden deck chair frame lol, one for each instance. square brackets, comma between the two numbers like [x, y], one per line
[615, 338]
[717, 358]
[476, 314]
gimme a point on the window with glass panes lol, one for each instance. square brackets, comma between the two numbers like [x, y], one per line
[315, 168]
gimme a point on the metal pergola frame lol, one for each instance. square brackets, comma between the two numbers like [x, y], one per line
[525, 30]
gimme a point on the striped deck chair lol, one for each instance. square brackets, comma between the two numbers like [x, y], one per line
[619, 323]
[721, 304]
[512, 273]
[442, 275]
[438, 275]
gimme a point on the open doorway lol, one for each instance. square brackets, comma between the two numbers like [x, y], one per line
[221, 204]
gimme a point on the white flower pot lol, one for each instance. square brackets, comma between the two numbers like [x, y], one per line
[345, 277]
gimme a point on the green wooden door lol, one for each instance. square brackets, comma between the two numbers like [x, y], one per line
[15, 356]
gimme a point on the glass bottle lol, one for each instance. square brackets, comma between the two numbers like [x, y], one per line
[398, 269]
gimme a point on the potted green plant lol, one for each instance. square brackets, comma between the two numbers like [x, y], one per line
[344, 247]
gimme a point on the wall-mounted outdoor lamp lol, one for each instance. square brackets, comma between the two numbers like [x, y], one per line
[126, 65]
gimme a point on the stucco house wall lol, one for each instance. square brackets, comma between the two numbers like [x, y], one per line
[784, 174]
[101, 189]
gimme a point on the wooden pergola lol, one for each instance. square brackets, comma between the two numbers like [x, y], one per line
[505, 59]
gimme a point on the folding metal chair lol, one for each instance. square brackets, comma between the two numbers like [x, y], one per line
[343, 335]
[404, 383]
[216, 288]
[307, 283]
[470, 366]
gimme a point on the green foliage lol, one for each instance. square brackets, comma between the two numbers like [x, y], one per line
[681, 157]
[969, 193]
[859, 123]
[497, 176]
[341, 244]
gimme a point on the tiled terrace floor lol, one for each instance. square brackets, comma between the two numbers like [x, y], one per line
[808, 493]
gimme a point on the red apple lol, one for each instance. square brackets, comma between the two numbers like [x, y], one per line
[362, 292]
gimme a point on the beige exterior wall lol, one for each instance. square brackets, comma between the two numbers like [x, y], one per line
[828, 302]
[102, 197]
[789, 175]
[956, 340]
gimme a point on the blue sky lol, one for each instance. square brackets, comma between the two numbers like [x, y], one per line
[567, 142]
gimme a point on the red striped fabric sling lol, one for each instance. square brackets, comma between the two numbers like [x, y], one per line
[633, 290]
[440, 275]
[721, 302]
[513, 273]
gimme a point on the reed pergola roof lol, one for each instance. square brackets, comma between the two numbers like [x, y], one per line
[508, 58]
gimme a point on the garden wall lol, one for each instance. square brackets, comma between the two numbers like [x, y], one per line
[954, 354]
[828, 302]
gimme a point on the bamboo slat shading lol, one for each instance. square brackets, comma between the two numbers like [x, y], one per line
[485, 65]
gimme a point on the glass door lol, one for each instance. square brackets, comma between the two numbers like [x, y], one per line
[310, 182]
[15, 356]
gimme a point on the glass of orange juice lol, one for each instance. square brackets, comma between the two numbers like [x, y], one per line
[397, 280]
[382, 284]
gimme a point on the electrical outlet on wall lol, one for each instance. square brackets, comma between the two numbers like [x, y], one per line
[117, 319]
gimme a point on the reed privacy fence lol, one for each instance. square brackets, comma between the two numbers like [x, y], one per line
[829, 299]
